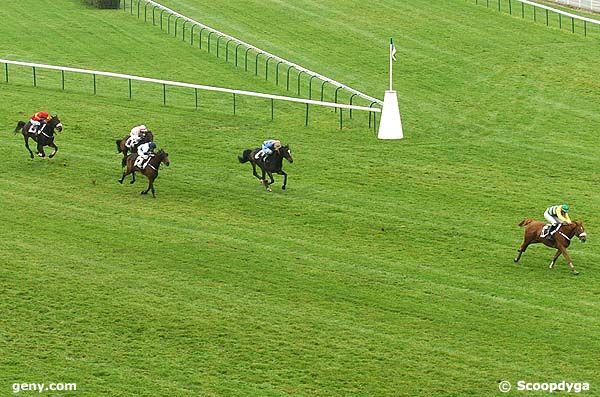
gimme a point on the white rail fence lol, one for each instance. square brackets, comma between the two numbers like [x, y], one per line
[196, 87]
[143, 8]
[541, 12]
[592, 5]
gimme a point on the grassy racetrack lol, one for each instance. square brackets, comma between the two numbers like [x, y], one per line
[385, 269]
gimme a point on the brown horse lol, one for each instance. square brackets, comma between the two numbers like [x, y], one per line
[151, 170]
[561, 239]
[122, 148]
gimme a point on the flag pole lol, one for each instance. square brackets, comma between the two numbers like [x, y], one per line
[391, 47]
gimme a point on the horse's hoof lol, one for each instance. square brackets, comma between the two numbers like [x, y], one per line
[120, 181]
[132, 182]
[551, 265]
[516, 260]
[575, 273]
[51, 156]
[143, 192]
[283, 188]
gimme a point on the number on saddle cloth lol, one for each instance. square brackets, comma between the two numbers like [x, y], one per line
[548, 230]
[33, 129]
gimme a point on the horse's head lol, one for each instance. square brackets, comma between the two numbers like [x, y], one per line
[164, 157]
[286, 153]
[579, 231]
[55, 123]
[148, 136]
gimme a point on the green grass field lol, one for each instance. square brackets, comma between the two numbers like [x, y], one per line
[385, 269]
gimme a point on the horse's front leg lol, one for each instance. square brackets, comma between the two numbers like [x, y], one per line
[284, 179]
[556, 255]
[26, 138]
[150, 187]
[40, 149]
[55, 149]
[127, 171]
[569, 261]
[268, 184]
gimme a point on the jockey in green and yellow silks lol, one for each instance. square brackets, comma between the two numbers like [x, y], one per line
[557, 215]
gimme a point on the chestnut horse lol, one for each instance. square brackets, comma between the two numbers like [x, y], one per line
[560, 240]
[151, 169]
[272, 164]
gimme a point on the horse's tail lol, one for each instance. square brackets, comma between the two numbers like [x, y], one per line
[20, 125]
[245, 157]
[118, 141]
[526, 222]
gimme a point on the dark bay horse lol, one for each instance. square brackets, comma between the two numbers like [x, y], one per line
[272, 164]
[122, 148]
[151, 170]
[561, 239]
[43, 137]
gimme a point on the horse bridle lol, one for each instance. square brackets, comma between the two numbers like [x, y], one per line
[582, 234]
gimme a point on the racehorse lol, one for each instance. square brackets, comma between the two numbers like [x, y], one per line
[43, 137]
[272, 164]
[561, 239]
[151, 169]
[122, 148]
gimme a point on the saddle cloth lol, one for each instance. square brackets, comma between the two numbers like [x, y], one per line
[546, 230]
[142, 162]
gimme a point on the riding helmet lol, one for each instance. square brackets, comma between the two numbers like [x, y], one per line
[565, 207]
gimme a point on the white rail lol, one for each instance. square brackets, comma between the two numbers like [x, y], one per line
[593, 5]
[567, 14]
[189, 85]
[258, 50]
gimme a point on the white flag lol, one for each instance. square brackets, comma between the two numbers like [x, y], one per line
[392, 50]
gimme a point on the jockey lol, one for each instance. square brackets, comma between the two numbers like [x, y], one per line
[135, 135]
[144, 152]
[268, 147]
[557, 215]
[39, 119]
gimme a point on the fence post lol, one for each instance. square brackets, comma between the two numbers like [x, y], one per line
[351, 98]
[246, 59]
[341, 118]
[169, 23]
[183, 30]
[234, 103]
[299, 75]
[6, 71]
[209, 34]
[196, 95]
[256, 63]
[200, 38]
[236, 55]
[288, 78]
[94, 83]
[34, 79]
[164, 94]
[277, 72]
[310, 86]
[322, 88]
[267, 68]
[510, 7]
[336, 96]
[218, 39]
[272, 109]
[227, 50]
[129, 80]
[62, 79]
[572, 25]
[161, 19]
[192, 35]
[306, 121]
